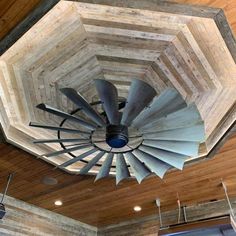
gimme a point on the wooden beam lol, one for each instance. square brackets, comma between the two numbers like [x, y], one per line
[160, 6]
[2, 135]
[229, 133]
[226, 32]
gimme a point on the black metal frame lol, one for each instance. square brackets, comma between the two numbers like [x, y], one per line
[121, 105]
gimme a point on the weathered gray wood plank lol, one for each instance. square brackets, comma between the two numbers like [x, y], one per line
[226, 32]
[26, 24]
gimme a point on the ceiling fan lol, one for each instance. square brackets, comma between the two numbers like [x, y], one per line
[142, 134]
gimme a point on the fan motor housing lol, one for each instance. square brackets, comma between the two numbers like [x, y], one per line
[117, 136]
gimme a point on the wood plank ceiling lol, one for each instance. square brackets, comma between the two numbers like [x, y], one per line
[103, 203]
[164, 44]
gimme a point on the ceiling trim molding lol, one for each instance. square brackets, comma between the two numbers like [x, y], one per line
[160, 6]
[226, 32]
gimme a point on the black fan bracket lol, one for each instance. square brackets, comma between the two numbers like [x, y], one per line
[121, 106]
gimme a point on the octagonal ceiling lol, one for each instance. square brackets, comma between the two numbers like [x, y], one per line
[78, 41]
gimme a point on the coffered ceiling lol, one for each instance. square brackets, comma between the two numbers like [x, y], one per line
[103, 203]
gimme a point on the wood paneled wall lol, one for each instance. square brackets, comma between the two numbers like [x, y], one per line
[145, 228]
[207, 215]
[23, 219]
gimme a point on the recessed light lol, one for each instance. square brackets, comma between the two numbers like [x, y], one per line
[49, 180]
[137, 208]
[58, 203]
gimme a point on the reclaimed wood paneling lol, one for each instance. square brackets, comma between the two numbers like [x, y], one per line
[206, 215]
[228, 6]
[140, 228]
[23, 219]
[12, 12]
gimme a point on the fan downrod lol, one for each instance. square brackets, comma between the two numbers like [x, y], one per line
[117, 136]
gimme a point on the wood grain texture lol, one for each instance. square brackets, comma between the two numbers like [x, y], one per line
[103, 203]
[13, 12]
[24, 25]
[107, 39]
[200, 216]
[26, 220]
[91, 41]
[140, 228]
[229, 8]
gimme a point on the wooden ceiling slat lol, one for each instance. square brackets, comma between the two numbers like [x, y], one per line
[197, 183]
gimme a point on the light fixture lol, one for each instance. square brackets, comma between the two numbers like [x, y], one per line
[137, 208]
[47, 180]
[58, 203]
[148, 133]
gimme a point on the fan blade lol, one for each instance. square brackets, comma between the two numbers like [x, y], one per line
[140, 95]
[92, 163]
[185, 117]
[51, 154]
[139, 169]
[105, 169]
[36, 125]
[65, 115]
[109, 97]
[168, 102]
[194, 133]
[75, 144]
[63, 140]
[78, 158]
[122, 171]
[157, 166]
[182, 147]
[77, 99]
[174, 159]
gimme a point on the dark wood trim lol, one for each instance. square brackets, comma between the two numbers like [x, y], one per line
[226, 32]
[200, 224]
[231, 131]
[26, 24]
[161, 6]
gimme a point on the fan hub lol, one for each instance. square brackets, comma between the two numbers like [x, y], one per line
[117, 136]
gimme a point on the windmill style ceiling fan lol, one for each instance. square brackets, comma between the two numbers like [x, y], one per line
[137, 136]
